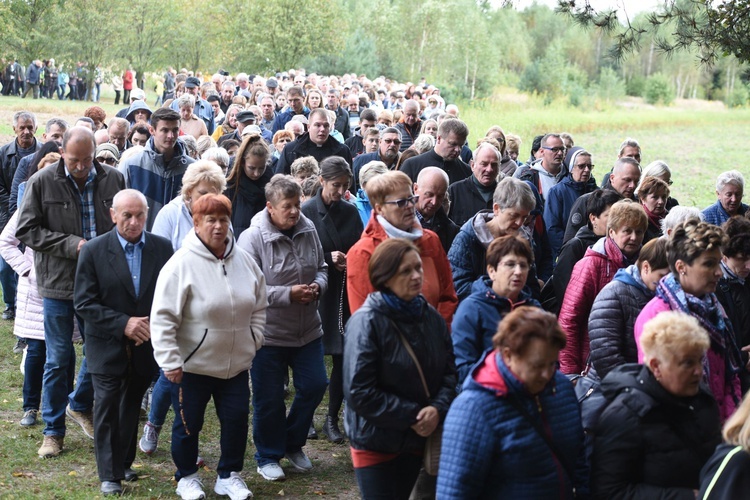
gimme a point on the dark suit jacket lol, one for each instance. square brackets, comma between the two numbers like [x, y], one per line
[105, 298]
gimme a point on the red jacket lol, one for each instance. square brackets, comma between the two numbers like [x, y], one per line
[437, 287]
[597, 268]
[127, 80]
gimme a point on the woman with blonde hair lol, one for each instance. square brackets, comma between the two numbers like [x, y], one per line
[661, 423]
[727, 472]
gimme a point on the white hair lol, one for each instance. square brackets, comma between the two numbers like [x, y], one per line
[733, 177]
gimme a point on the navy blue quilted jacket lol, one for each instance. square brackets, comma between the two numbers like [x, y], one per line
[490, 451]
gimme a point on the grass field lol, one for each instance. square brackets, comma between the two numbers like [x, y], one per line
[697, 143]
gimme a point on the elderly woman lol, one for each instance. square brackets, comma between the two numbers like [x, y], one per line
[694, 256]
[207, 324]
[660, 169]
[107, 154]
[339, 228]
[393, 216]
[730, 187]
[174, 222]
[515, 429]
[661, 423]
[247, 181]
[492, 298]
[399, 374]
[732, 291]
[217, 155]
[230, 122]
[361, 201]
[286, 247]
[189, 123]
[617, 306]
[626, 225]
[725, 475]
[653, 193]
[512, 203]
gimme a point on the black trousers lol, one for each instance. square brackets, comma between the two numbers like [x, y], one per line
[392, 480]
[116, 413]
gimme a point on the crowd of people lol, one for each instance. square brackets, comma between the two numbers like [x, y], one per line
[496, 327]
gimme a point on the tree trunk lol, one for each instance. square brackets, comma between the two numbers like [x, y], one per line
[650, 59]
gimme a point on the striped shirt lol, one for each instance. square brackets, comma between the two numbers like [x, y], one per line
[88, 214]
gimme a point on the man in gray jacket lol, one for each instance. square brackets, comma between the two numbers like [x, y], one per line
[64, 206]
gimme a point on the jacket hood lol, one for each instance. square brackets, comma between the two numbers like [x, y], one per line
[195, 245]
[180, 151]
[482, 289]
[491, 374]
[478, 226]
[631, 276]
[139, 104]
[630, 375]
[262, 220]
[586, 234]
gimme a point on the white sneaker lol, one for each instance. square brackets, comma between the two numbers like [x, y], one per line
[272, 472]
[299, 461]
[190, 488]
[233, 486]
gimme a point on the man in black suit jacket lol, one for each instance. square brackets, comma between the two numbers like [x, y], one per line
[114, 289]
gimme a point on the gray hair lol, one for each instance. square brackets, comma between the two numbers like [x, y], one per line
[62, 124]
[203, 170]
[205, 142]
[24, 115]
[424, 143]
[128, 193]
[390, 130]
[281, 187]
[228, 83]
[656, 168]
[370, 170]
[733, 177]
[484, 145]
[191, 145]
[119, 123]
[677, 215]
[628, 143]
[621, 163]
[217, 154]
[76, 134]
[514, 193]
[548, 136]
[186, 100]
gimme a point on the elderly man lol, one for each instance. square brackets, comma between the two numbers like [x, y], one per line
[730, 187]
[431, 186]
[317, 142]
[118, 133]
[157, 170]
[626, 174]
[202, 109]
[65, 206]
[114, 288]
[296, 100]
[411, 124]
[11, 154]
[227, 94]
[243, 83]
[474, 193]
[244, 119]
[452, 135]
[368, 118]
[333, 103]
[628, 149]
[33, 78]
[388, 152]
[548, 171]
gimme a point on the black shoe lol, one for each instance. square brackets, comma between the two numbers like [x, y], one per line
[130, 475]
[331, 430]
[20, 346]
[312, 433]
[111, 488]
[9, 313]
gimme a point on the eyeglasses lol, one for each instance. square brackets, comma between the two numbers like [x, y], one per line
[404, 202]
[669, 182]
[106, 160]
[586, 166]
[391, 141]
[556, 150]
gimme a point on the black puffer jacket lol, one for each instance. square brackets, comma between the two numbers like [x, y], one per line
[382, 386]
[649, 443]
[735, 298]
[612, 320]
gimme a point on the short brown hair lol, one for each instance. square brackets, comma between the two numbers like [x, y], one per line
[508, 245]
[211, 204]
[737, 229]
[524, 324]
[653, 185]
[655, 253]
[386, 260]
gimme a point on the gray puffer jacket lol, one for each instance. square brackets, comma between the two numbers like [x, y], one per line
[612, 320]
[286, 262]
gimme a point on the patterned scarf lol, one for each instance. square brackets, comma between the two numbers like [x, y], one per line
[653, 218]
[710, 314]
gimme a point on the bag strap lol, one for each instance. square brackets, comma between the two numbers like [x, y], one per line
[413, 357]
[721, 468]
[538, 428]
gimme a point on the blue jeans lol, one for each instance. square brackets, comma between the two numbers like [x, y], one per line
[59, 367]
[9, 283]
[232, 402]
[274, 432]
[161, 399]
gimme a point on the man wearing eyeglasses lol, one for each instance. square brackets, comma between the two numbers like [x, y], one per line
[452, 134]
[295, 99]
[562, 196]
[549, 170]
[388, 153]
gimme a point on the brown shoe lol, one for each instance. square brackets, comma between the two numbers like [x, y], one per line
[84, 419]
[51, 446]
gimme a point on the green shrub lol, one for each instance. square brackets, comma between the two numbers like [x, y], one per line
[635, 86]
[659, 89]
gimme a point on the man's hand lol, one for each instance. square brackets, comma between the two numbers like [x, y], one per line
[80, 245]
[138, 330]
[174, 376]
